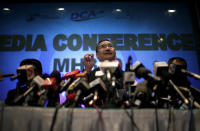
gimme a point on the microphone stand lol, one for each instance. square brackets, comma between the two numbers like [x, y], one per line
[24, 94]
[185, 100]
[196, 76]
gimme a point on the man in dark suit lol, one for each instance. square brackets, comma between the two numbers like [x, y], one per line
[21, 84]
[105, 50]
[180, 79]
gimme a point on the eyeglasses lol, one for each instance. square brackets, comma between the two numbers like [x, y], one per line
[103, 46]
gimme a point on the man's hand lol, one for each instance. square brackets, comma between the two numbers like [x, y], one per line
[88, 61]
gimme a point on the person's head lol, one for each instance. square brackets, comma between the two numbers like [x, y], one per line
[36, 63]
[178, 77]
[105, 50]
[178, 61]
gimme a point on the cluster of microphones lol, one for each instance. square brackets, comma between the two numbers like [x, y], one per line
[166, 87]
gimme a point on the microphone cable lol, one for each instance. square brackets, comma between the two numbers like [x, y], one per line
[55, 116]
[100, 116]
[171, 118]
[156, 106]
[190, 105]
[156, 117]
[70, 118]
[190, 110]
[56, 112]
[2, 106]
[133, 124]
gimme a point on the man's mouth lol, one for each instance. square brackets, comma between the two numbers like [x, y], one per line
[108, 53]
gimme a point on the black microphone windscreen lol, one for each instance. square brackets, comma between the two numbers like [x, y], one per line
[142, 71]
[143, 93]
[56, 74]
[45, 75]
[142, 87]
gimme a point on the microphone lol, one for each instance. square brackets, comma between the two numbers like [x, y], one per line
[80, 86]
[52, 81]
[113, 76]
[97, 84]
[83, 74]
[69, 100]
[161, 69]
[50, 89]
[49, 83]
[45, 75]
[5, 75]
[88, 98]
[49, 92]
[128, 63]
[70, 76]
[99, 88]
[128, 79]
[143, 90]
[76, 84]
[179, 75]
[185, 100]
[176, 69]
[36, 82]
[24, 73]
[196, 76]
[172, 74]
[56, 74]
[109, 67]
[142, 72]
[71, 97]
[117, 62]
[142, 95]
[56, 79]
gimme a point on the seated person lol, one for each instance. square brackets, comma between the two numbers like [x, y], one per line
[21, 84]
[180, 79]
[32, 99]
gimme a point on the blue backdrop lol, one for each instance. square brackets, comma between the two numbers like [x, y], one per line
[60, 38]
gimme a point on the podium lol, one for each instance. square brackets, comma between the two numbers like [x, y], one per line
[16, 118]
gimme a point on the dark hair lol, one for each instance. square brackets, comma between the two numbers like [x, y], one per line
[100, 42]
[33, 62]
[178, 58]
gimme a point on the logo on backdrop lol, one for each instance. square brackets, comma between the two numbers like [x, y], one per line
[35, 16]
[86, 15]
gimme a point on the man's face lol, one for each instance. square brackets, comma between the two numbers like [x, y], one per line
[106, 51]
